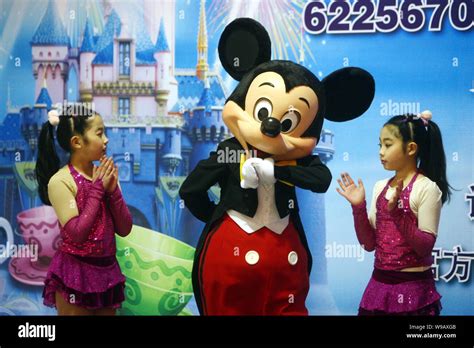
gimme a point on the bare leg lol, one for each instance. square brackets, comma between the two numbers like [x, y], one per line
[66, 308]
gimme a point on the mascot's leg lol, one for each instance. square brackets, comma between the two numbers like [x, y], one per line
[251, 274]
[229, 284]
[289, 284]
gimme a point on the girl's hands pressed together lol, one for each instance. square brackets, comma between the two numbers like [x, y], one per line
[97, 173]
[114, 178]
[107, 172]
[392, 202]
[349, 190]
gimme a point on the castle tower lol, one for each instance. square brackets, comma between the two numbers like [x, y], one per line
[163, 71]
[320, 300]
[50, 49]
[172, 150]
[202, 67]
[205, 126]
[44, 99]
[154, 11]
[32, 119]
[86, 56]
[206, 130]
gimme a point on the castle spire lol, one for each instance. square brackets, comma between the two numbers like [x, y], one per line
[44, 97]
[161, 41]
[88, 38]
[51, 30]
[202, 67]
[207, 99]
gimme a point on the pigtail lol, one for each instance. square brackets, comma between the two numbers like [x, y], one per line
[433, 160]
[72, 121]
[47, 163]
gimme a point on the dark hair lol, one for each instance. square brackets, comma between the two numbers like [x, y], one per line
[431, 159]
[293, 75]
[47, 163]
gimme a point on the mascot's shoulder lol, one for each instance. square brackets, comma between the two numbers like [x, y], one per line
[231, 143]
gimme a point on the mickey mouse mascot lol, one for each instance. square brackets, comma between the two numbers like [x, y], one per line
[253, 257]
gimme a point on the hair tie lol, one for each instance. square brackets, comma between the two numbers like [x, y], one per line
[53, 118]
[425, 116]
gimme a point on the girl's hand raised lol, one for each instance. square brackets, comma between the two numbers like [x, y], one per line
[114, 179]
[105, 172]
[97, 173]
[354, 194]
[110, 178]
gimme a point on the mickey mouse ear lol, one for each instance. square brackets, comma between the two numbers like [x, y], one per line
[244, 44]
[349, 93]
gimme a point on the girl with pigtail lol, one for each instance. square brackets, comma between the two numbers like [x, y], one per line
[402, 223]
[84, 277]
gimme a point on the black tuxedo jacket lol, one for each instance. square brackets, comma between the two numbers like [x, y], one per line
[308, 173]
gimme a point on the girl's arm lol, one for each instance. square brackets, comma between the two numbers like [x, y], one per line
[76, 227]
[120, 213]
[356, 196]
[421, 234]
[364, 230]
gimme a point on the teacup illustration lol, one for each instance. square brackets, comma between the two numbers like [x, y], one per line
[158, 271]
[39, 228]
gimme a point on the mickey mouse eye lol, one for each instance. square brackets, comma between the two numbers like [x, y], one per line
[263, 109]
[289, 121]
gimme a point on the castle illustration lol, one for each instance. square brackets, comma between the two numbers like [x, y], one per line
[160, 120]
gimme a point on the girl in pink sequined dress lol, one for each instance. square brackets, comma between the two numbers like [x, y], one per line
[402, 223]
[84, 277]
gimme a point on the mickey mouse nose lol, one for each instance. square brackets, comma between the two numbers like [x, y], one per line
[270, 127]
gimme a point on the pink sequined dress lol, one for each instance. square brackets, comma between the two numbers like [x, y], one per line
[85, 270]
[398, 244]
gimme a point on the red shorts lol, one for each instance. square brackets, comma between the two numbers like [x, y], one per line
[262, 273]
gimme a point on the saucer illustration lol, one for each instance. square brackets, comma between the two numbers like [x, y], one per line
[27, 272]
[39, 227]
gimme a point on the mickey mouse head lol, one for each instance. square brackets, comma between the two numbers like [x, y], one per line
[279, 106]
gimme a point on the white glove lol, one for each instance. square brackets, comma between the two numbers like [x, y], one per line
[266, 171]
[249, 174]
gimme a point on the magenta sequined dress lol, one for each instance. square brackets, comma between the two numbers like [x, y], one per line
[87, 274]
[390, 291]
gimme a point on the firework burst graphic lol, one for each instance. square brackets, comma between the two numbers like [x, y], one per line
[281, 18]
